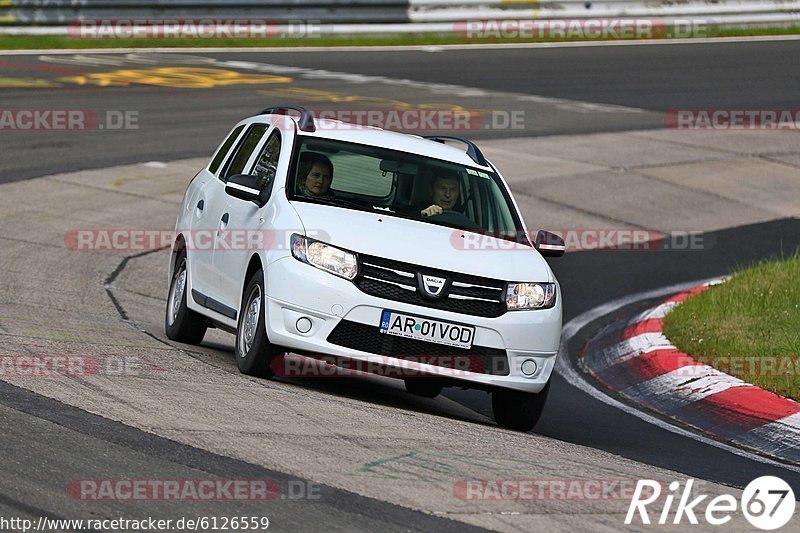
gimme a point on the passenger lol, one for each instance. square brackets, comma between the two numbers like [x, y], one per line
[314, 175]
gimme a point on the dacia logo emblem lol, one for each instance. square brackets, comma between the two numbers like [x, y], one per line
[432, 285]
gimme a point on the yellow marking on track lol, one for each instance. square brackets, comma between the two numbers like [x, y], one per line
[176, 77]
[8, 18]
[26, 83]
[119, 182]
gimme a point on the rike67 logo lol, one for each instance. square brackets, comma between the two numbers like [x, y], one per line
[767, 503]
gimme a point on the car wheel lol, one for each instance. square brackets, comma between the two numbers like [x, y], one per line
[518, 410]
[181, 323]
[254, 352]
[426, 387]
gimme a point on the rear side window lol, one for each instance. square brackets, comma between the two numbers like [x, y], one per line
[267, 164]
[224, 149]
[245, 150]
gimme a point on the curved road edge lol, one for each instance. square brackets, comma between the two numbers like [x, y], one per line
[574, 367]
[634, 358]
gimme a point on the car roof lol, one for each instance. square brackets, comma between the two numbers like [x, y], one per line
[372, 136]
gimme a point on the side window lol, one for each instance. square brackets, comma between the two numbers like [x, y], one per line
[224, 149]
[245, 150]
[267, 163]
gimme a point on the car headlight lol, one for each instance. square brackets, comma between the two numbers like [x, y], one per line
[530, 296]
[324, 256]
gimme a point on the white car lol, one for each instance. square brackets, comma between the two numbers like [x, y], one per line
[362, 262]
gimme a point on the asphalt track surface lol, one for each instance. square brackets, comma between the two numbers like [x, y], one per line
[680, 76]
[64, 437]
[183, 123]
[186, 122]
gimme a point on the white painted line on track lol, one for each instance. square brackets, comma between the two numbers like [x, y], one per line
[632, 347]
[576, 378]
[659, 311]
[564, 104]
[414, 47]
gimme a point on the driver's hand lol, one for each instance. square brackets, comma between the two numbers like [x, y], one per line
[431, 211]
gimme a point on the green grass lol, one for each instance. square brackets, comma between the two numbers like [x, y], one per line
[19, 42]
[748, 326]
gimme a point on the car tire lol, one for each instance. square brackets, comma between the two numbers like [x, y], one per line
[254, 351]
[425, 387]
[181, 324]
[518, 410]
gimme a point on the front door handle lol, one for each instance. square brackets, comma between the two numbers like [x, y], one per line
[225, 218]
[200, 205]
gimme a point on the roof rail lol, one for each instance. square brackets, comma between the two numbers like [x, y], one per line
[473, 151]
[306, 122]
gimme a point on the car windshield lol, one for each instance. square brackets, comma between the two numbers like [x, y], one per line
[401, 184]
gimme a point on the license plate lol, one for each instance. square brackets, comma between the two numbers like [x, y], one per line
[426, 329]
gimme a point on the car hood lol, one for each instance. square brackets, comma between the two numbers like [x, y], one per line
[422, 243]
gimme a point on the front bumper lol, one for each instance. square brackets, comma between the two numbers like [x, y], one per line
[298, 291]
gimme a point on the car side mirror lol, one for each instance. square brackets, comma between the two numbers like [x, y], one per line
[549, 244]
[245, 187]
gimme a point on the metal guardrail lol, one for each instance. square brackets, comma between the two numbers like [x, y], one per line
[61, 12]
[455, 10]
[377, 16]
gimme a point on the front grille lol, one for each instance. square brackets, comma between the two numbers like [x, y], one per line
[368, 339]
[397, 281]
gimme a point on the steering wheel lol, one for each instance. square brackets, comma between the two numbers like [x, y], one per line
[449, 216]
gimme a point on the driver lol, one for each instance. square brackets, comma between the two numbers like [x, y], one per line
[444, 195]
